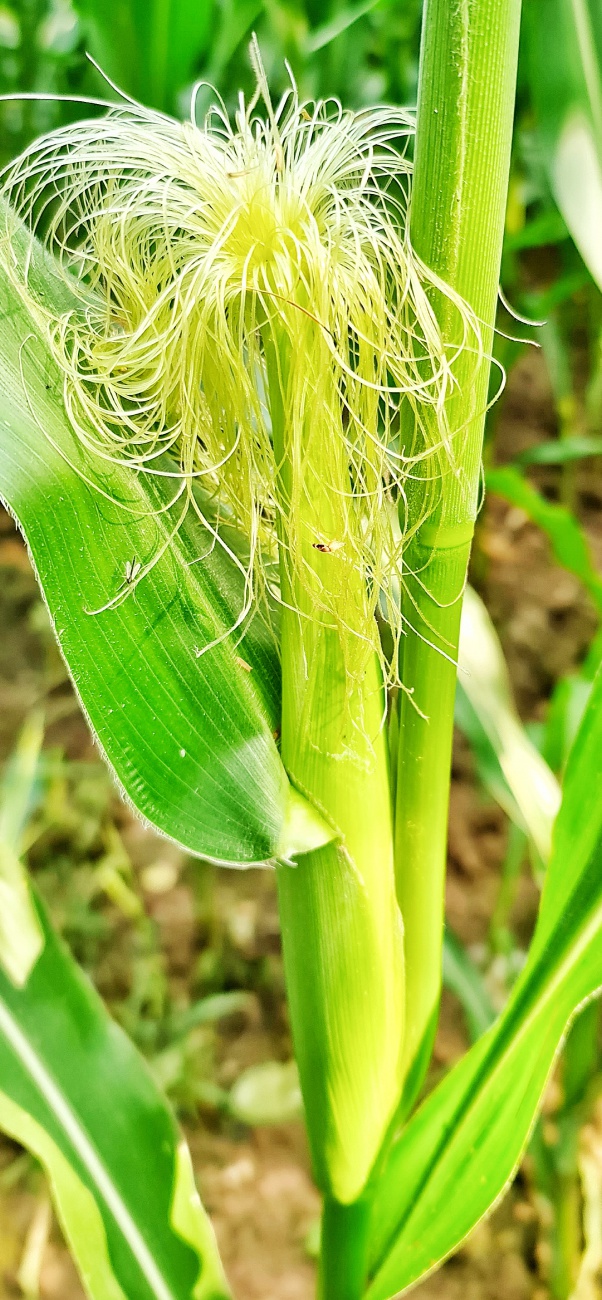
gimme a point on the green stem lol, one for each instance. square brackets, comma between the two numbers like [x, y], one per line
[567, 1238]
[464, 130]
[423, 791]
[343, 1250]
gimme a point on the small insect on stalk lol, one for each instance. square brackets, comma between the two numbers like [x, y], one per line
[328, 548]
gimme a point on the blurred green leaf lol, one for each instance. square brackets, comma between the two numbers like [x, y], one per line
[462, 1146]
[188, 734]
[567, 706]
[569, 544]
[268, 1093]
[17, 788]
[344, 19]
[510, 766]
[547, 228]
[560, 451]
[556, 294]
[150, 48]
[236, 19]
[59, 32]
[76, 1094]
[207, 1010]
[20, 933]
[10, 31]
[462, 977]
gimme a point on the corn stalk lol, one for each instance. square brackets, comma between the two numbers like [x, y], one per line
[463, 139]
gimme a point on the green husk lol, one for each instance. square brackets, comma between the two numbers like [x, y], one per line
[341, 926]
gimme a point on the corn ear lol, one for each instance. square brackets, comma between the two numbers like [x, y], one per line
[343, 950]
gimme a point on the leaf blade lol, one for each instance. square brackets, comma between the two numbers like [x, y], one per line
[461, 1148]
[87, 1237]
[63, 1065]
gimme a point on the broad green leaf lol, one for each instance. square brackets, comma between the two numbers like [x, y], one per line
[189, 1221]
[76, 1093]
[509, 764]
[564, 41]
[569, 544]
[459, 1151]
[187, 733]
[150, 48]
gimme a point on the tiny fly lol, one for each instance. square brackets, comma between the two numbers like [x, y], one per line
[327, 548]
[132, 569]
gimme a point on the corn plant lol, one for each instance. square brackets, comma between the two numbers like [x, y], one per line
[244, 374]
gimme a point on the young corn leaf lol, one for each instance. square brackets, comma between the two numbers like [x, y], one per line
[564, 43]
[76, 1093]
[461, 1148]
[188, 734]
